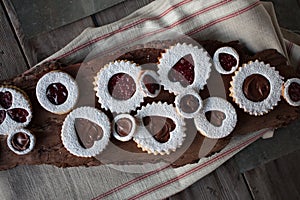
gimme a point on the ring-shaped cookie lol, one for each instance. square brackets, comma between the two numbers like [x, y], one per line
[70, 139]
[16, 111]
[202, 67]
[57, 77]
[188, 103]
[152, 86]
[102, 79]
[208, 129]
[132, 126]
[226, 50]
[252, 68]
[286, 93]
[11, 140]
[145, 140]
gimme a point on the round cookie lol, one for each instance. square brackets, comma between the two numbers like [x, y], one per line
[291, 91]
[188, 104]
[21, 141]
[124, 127]
[226, 60]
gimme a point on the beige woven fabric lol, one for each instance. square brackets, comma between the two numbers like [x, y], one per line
[244, 20]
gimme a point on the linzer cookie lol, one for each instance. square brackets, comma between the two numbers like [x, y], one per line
[226, 60]
[15, 109]
[21, 141]
[184, 67]
[150, 83]
[217, 119]
[57, 92]
[188, 104]
[256, 87]
[117, 87]
[85, 132]
[124, 127]
[160, 129]
[291, 91]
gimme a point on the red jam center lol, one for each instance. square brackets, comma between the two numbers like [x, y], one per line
[18, 114]
[57, 93]
[294, 91]
[215, 117]
[6, 99]
[151, 84]
[227, 61]
[121, 86]
[20, 141]
[183, 71]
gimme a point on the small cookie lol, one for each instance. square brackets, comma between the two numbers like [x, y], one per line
[184, 67]
[85, 132]
[256, 88]
[291, 91]
[217, 118]
[117, 87]
[150, 83]
[57, 92]
[188, 104]
[160, 129]
[15, 109]
[124, 126]
[226, 60]
[21, 141]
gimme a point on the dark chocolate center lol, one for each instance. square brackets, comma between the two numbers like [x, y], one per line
[57, 93]
[123, 126]
[189, 103]
[6, 99]
[294, 91]
[2, 116]
[227, 61]
[121, 86]
[18, 114]
[151, 84]
[215, 117]
[87, 132]
[159, 127]
[20, 141]
[256, 87]
[183, 71]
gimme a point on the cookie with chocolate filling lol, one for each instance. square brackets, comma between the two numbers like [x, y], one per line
[21, 141]
[291, 91]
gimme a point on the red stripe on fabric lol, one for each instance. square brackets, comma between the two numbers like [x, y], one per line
[125, 28]
[185, 174]
[201, 28]
[131, 182]
[289, 48]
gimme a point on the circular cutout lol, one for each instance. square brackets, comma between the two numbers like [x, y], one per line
[57, 92]
[188, 104]
[21, 141]
[291, 91]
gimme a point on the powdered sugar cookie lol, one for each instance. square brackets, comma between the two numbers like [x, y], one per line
[291, 91]
[217, 118]
[256, 87]
[15, 109]
[184, 67]
[226, 60]
[161, 129]
[124, 127]
[188, 103]
[85, 132]
[57, 92]
[21, 141]
[117, 87]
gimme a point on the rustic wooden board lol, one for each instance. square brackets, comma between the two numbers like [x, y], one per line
[12, 61]
[279, 179]
[43, 45]
[224, 183]
[119, 11]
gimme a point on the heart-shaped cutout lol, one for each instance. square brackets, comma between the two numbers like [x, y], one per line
[18, 114]
[121, 86]
[159, 127]
[227, 61]
[87, 132]
[183, 71]
[123, 126]
[215, 117]
[2, 116]
[294, 91]
[6, 99]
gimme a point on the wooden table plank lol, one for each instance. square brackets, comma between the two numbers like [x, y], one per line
[279, 179]
[43, 45]
[12, 61]
[224, 183]
[119, 11]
